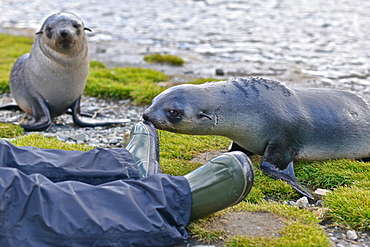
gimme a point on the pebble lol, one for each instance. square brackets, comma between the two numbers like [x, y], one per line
[303, 202]
[352, 235]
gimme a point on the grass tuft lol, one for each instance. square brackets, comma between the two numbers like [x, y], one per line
[332, 173]
[137, 84]
[168, 59]
[204, 80]
[11, 47]
[41, 141]
[350, 205]
[8, 130]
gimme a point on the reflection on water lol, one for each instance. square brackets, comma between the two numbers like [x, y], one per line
[327, 38]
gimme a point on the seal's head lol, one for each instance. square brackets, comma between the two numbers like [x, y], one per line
[183, 109]
[62, 31]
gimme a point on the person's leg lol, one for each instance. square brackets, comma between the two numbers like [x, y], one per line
[35, 211]
[95, 166]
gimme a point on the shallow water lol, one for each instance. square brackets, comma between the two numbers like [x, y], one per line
[326, 41]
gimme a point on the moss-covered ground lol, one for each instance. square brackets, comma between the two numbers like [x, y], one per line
[348, 204]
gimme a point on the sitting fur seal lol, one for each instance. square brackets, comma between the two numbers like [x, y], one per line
[266, 118]
[50, 79]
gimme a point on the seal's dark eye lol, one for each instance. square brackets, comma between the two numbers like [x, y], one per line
[48, 32]
[174, 113]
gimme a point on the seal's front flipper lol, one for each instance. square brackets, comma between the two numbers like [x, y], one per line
[277, 162]
[41, 119]
[286, 175]
[11, 107]
[235, 147]
[88, 122]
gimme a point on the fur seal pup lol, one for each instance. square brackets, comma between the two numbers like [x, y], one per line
[266, 118]
[50, 79]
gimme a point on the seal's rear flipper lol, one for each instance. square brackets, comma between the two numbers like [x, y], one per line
[11, 107]
[286, 175]
[41, 119]
[88, 122]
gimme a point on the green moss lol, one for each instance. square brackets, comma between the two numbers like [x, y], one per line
[137, 84]
[273, 189]
[10, 130]
[332, 173]
[11, 47]
[169, 59]
[203, 80]
[177, 150]
[350, 205]
[97, 65]
[41, 141]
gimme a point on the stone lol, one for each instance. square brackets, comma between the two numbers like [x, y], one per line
[320, 193]
[220, 72]
[352, 235]
[79, 137]
[303, 202]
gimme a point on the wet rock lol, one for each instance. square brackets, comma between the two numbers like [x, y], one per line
[220, 72]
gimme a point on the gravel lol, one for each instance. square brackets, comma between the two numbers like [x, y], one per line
[101, 136]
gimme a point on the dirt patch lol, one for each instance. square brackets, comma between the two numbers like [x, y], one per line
[262, 224]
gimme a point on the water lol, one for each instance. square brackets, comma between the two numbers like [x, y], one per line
[326, 41]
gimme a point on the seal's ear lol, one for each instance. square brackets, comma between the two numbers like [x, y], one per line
[202, 114]
[39, 32]
[88, 29]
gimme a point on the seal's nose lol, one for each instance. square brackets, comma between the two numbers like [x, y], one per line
[145, 116]
[63, 33]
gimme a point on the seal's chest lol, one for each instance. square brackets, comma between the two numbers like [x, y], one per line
[61, 89]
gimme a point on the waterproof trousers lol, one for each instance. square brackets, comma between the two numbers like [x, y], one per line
[72, 198]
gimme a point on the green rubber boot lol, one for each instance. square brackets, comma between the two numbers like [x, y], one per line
[222, 182]
[144, 147]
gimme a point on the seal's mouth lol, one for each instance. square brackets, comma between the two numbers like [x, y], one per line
[65, 44]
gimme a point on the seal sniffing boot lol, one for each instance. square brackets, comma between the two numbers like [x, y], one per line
[266, 118]
[224, 181]
[50, 79]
